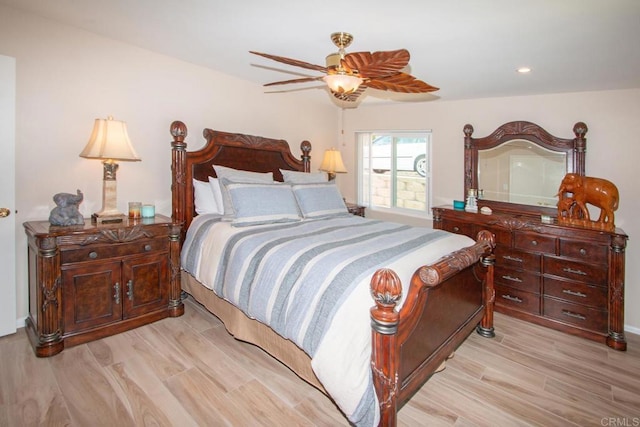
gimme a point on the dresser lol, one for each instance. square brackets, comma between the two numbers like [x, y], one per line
[90, 281]
[567, 278]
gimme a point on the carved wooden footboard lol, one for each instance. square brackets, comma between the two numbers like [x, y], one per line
[445, 302]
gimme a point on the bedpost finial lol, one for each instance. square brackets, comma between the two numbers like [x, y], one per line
[468, 130]
[580, 129]
[178, 131]
[386, 287]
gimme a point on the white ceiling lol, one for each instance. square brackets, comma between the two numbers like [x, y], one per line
[468, 48]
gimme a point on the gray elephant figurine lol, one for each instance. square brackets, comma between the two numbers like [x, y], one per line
[66, 211]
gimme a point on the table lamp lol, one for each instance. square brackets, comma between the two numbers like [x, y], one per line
[332, 163]
[109, 142]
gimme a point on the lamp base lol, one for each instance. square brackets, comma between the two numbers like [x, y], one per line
[98, 218]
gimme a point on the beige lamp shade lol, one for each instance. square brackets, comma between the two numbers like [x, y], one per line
[109, 140]
[332, 163]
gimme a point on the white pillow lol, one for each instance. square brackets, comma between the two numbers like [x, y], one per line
[319, 200]
[263, 203]
[204, 198]
[217, 194]
[236, 175]
[295, 177]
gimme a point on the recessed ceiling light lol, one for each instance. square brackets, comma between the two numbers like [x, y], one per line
[524, 70]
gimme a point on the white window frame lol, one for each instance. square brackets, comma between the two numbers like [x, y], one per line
[364, 186]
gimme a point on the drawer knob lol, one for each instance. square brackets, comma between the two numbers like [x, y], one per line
[93, 255]
[583, 251]
[534, 242]
[147, 247]
[456, 229]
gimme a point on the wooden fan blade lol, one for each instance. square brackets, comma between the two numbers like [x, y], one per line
[376, 64]
[401, 82]
[293, 62]
[350, 97]
[302, 80]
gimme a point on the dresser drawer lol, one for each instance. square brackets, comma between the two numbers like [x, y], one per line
[579, 315]
[518, 300]
[582, 272]
[576, 292]
[97, 252]
[458, 227]
[596, 254]
[507, 257]
[503, 237]
[524, 280]
[535, 242]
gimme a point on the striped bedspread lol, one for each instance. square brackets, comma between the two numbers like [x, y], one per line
[309, 281]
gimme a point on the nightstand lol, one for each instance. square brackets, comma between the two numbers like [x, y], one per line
[90, 281]
[355, 209]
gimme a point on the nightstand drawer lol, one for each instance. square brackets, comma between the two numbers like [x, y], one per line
[98, 252]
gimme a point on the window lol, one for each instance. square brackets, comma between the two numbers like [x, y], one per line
[395, 171]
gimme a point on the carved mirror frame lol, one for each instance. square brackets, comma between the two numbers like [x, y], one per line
[575, 150]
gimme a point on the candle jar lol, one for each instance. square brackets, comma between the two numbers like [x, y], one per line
[135, 209]
[148, 211]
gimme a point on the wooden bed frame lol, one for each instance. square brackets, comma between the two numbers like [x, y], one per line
[445, 302]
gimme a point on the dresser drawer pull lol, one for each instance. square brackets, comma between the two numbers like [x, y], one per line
[456, 229]
[93, 255]
[534, 243]
[510, 298]
[130, 290]
[572, 271]
[147, 247]
[116, 292]
[512, 258]
[574, 315]
[574, 293]
[583, 251]
[512, 279]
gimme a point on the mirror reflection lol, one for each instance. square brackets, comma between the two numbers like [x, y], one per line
[521, 172]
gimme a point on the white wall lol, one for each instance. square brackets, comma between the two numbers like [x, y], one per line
[66, 78]
[612, 148]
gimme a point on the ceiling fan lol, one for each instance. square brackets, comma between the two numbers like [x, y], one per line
[348, 74]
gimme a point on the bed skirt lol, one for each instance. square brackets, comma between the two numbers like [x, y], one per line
[246, 329]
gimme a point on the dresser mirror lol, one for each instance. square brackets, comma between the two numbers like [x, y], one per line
[519, 166]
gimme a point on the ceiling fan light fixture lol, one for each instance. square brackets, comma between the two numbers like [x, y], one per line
[342, 83]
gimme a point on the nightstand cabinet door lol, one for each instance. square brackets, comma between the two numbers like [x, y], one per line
[92, 295]
[143, 284]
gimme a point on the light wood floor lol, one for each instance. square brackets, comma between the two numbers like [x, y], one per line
[189, 371]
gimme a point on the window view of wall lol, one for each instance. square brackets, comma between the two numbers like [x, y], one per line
[395, 170]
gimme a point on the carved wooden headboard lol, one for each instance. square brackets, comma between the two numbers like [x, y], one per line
[234, 150]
